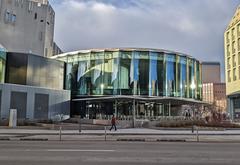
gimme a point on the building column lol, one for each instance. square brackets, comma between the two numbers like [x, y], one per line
[137, 111]
[169, 109]
[87, 111]
[134, 112]
[115, 108]
[230, 108]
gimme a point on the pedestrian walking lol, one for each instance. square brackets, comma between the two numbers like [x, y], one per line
[113, 122]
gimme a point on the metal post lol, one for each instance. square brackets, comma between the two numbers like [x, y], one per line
[105, 137]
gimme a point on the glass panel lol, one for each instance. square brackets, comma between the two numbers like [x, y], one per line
[71, 73]
[183, 76]
[2, 70]
[199, 81]
[96, 71]
[143, 69]
[153, 76]
[134, 71]
[83, 76]
[170, 62]
[192, 83]
[17, 68]
[110, 73]
[115, 78]
[160, 75]
[126, 73]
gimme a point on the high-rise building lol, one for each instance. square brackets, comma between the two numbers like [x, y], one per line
[232, 64]
[27, 26]
[214, 91]
[211, 72]
[215, 94]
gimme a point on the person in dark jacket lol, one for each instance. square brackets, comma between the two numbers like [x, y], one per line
[113, 122]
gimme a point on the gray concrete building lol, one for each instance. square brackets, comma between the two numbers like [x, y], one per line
[33, 85]
[33, 103]
[27, 26]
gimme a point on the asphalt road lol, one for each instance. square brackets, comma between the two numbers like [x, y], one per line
[117, 153]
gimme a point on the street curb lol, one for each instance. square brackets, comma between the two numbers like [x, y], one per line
[33, 139]
[171, 140]
[120, 134]
[132, 140]
[4, 139]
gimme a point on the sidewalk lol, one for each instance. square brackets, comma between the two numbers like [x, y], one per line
[133, 134]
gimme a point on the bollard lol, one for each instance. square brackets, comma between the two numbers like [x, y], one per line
[105, 133]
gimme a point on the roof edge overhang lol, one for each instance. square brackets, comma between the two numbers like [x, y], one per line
[140, 98]
[122, 49]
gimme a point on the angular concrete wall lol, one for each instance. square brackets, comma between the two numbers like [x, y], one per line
[58, 101]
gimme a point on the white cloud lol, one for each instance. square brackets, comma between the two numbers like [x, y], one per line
[195, 27]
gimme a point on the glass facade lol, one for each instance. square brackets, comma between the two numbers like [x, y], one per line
[28, 69]
[132, 72]
[2, 65]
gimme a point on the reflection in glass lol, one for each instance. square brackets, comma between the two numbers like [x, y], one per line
[183, 77]
[170, 75]
[133, 72]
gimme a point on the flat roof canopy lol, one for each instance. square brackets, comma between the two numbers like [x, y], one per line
[163, 100]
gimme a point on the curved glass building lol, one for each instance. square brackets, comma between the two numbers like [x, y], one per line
[134, 72]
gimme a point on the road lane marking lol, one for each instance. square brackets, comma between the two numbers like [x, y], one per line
[63, 150]
[77, 150]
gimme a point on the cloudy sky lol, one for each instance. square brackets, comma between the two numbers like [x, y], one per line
[194, 27]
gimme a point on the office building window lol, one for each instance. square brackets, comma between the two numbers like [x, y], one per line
[229, 76]
[239, 72]
[238, 30]
[228, 63]
[238, 44]
[233, 37]
[227, 37]
[35, 16]
[40, 36]
[239, 58]
[234, 61]
[234, 47]
[234, 74]
[228, 50]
